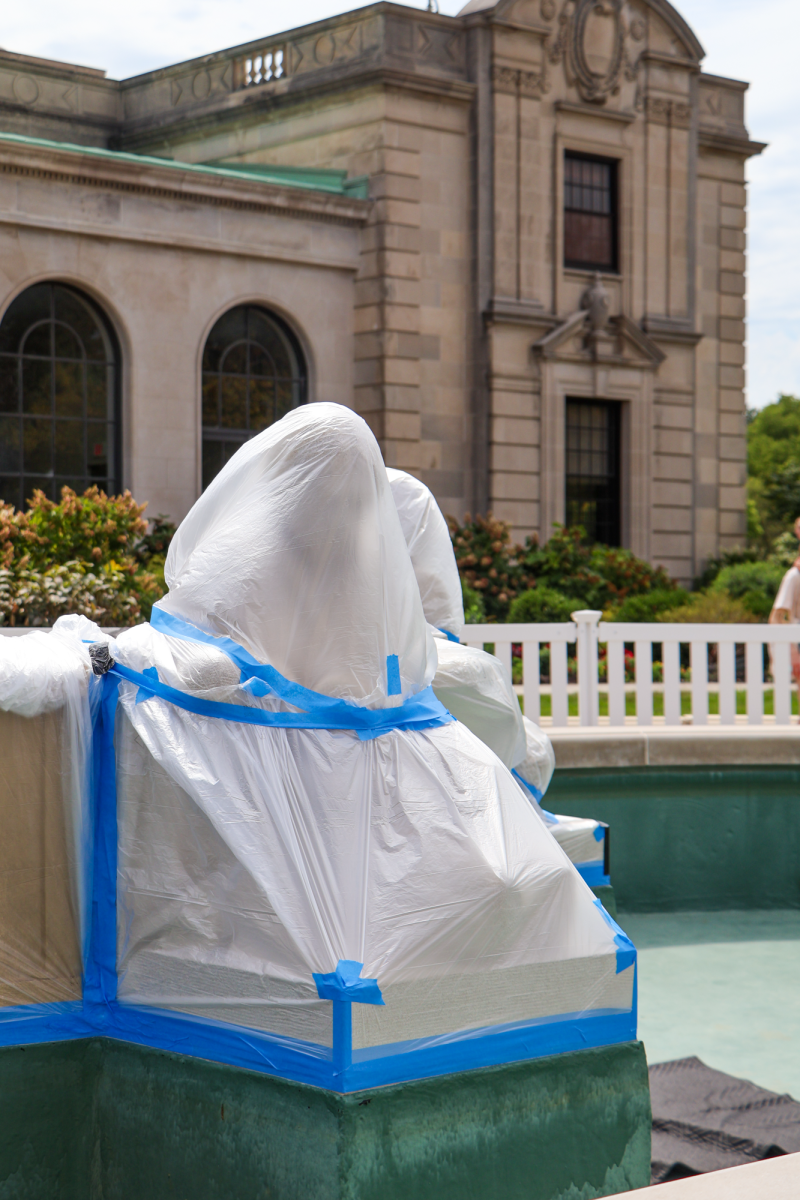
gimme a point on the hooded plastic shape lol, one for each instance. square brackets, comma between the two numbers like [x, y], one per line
[431, 550]
[295, 551]
[253, 859]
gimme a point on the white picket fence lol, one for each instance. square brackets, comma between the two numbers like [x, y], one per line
[588, 632]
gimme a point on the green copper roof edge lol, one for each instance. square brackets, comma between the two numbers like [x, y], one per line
[324, 179]
[281, 176]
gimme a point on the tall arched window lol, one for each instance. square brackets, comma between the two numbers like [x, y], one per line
[253, 374]
[59, 395]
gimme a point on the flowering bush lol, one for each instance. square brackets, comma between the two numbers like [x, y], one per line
[89, 554]
[488, 562]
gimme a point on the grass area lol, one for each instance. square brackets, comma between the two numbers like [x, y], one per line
[658, 703]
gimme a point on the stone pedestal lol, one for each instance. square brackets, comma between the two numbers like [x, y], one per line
[106, 1120]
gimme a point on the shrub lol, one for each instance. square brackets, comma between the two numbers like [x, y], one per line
[89, 554]
[754, 584]
[710, 607]
[597, 575]
[649, 606]
[474, 612]
[543, 604]
[488, 562]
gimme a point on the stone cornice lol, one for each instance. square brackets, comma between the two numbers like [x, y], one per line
[72, 166]
[713, 140]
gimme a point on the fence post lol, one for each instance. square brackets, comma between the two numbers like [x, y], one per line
[588, 706]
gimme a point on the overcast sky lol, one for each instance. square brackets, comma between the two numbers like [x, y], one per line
[756, 43]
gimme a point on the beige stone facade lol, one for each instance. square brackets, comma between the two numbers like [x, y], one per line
[440, 307]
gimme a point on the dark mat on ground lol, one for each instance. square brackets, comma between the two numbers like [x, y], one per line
[704, 1120]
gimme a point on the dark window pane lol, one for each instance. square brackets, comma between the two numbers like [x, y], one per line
[39, 340]
[75, 313]
[11, 490]
[37, 447]
[234, 360]
[234, 402]
[32, 306]
[97, 448]
[66, 343]
[9, 383]
[36, 386]
[211, 400]
[69, 447]
[245, 352]
[590, 218]
[57, 389]
[99, 390]
[262, 404]
[69, 389]
[230, 328]
[9, 444]
[260, 361]
[592, 469]
[588, 239]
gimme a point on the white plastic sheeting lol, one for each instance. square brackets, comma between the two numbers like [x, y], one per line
[473, 685]
[431, 550]
[252, 857]
[45, 739]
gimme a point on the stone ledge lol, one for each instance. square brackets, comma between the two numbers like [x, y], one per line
[677, 746]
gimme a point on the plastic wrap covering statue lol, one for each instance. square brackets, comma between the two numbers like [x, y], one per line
[253, 858]
[431, 550]
[45, 739]
[475, 686]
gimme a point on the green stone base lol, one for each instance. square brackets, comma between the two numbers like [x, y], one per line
[693, 837]
[105, 1120]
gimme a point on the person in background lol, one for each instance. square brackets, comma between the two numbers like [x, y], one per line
[786, 607]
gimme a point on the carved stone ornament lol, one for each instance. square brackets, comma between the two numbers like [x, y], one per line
[597, 48]
[596, 302]
[548, 9]
[592, 38]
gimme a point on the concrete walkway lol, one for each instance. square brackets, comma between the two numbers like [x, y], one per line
[723, 986]
[775, 1179]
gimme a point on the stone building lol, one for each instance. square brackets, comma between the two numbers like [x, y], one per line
[514, 240]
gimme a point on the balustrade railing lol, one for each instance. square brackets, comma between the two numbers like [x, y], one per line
[622, 673]
[266, 65]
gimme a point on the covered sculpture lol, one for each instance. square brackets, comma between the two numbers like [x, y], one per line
[475, 686]
[301, 862]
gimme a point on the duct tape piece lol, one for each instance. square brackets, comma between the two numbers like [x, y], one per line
[593, 874]
[534, 791]
[626, 951]
[451, 637]
[345, 983]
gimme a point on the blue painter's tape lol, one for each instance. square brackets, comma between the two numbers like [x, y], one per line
[451, 637]
[534, 791]
[345, 983]
[393, 685]
[143, 693]
[626, 951]
[600, 832]
[421, 711]
[593, 873]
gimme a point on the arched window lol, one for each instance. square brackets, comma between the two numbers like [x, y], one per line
[253, 374]
[59, 395]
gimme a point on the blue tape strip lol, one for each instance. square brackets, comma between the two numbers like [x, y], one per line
[345, 983]
[626, 951]
[308, 1062]
[600, 832]
[451, 637]
[421, 711]
[534, 791]
[393, 685]
[593, 873]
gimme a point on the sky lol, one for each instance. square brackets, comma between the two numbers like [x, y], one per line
[127, 37]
